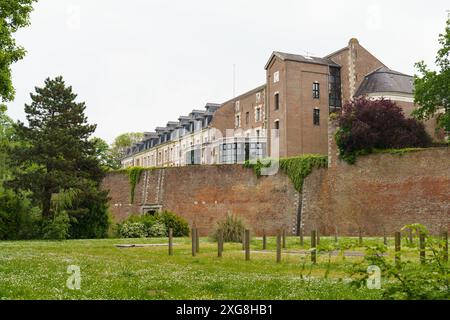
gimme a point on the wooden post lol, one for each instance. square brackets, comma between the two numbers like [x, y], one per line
[398, 247]
[170, 241]
[422, 247]
[410, 237]
[314, 238]
[360, 237]
[278, 247]
[301, 237]
[264, 240]
[385, 240]
[194, 241]
[317, 238]
[197, 241]
[247, 245]
[220, 243]
[445, 239]
[284, 238]
[243, 239]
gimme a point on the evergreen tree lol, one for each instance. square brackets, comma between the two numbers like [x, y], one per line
[55, 153]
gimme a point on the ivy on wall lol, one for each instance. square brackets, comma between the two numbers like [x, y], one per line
[296, 168]
[134, 175]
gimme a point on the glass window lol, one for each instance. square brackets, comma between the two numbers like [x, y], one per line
[316, 90]
[316, 117]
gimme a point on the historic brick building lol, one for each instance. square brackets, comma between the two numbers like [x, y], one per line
[287, 116]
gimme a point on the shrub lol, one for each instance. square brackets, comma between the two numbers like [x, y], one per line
[131, 229]
[18, 218]
[232, 228]
[57, 228]
[137, 226]
[179, 226]
[365, 125]
[407, 280]
[158, 229]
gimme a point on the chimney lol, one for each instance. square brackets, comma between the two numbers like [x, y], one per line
[352, 56]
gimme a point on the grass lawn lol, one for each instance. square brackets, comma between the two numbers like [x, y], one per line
[38, 270]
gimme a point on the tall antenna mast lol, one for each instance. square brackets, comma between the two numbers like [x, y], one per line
[234, 80]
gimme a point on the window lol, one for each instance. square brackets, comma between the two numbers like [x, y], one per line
[237, 106]
[277, 101]
[258, 97]
[258, 114]
[276, 126]
[316, 90]
[316, 117]
[276, 77]
[237, 121]
[247, 117]
[335, 89]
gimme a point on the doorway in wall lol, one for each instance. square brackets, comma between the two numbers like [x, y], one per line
[151, 209]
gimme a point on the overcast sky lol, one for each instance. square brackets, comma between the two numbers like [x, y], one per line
[140, 63]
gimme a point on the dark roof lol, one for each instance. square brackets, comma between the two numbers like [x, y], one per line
[386, 80]
[299, 58]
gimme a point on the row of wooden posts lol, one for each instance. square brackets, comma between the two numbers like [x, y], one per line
[315, 240]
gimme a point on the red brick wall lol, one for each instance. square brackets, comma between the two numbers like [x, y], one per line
[380, 191]
[205, 194]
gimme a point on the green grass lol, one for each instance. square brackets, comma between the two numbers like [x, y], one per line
[38, 270]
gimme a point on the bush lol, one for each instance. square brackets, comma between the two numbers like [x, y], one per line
[365, 125]
[158, 229]
[131, 229]
[18, 218]
[179, 226]
[232, 228]
[57, 228]
[138, 226]
[408, 280]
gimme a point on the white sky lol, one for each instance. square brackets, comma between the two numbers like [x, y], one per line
[140, 63]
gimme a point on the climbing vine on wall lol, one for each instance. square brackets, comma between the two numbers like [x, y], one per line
[134, 175]
[296, 168]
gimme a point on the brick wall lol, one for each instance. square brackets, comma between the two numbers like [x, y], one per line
[380, 191]
[205, 194]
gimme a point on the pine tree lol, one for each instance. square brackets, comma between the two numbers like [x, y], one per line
[55, 152]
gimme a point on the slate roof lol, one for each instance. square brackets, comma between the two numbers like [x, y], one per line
[386, 80]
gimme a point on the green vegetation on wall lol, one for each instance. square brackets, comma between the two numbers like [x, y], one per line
[296, 168]
[134, 175]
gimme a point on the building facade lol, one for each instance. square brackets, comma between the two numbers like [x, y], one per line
[287, 116]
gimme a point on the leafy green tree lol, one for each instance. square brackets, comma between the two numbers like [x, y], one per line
[14, 14]
[6, 134]
[107, 157]
[56, 153]
[124, 141]
[432, 88]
